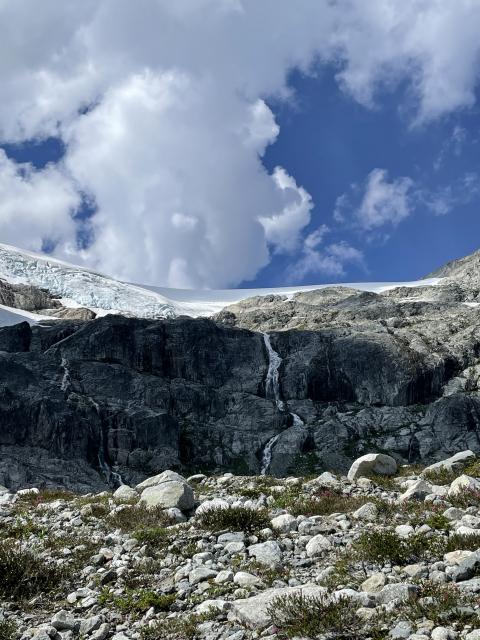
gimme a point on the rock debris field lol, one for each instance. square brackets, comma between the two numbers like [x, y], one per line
[384, 552]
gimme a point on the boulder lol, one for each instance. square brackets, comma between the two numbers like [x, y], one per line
[317, 545]
[245, 579]
[368, 512]
[216, 503]
[374, 583]
[267, 553]
[398, 592]
[200, 574]
[458, 461]
[419, 490]
[463, 483]
[378, 463]
[125, 493]
[161, 478]
[169, 495]
[284, 523]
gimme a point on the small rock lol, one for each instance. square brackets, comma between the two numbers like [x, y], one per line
[317, 546]
[284, 523]
[368, 512]
[267, 553]
[245, 579]
[374, 583]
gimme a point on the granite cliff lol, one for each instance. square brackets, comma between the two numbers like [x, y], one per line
[273, 384]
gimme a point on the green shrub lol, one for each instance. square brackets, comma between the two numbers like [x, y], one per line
[462, 542]
[447, 476]
[387, 546]
[438, 522]
[132, 519]
[466, 499]
[45, 495]
[299, 615]
[234, 519]
[20, 529]
[323, 503]
[23, 574]
[8, 630]
[156, 537]
[183, 628]
[139, 601]
[250, 492]
[441, 603]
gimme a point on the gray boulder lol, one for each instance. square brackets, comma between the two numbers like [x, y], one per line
[168, 495]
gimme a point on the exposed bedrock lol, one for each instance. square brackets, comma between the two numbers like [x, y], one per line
[84, 404]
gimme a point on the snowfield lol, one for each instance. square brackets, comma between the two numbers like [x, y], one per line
[80, 287]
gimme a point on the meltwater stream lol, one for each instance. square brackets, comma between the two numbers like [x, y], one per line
[272, 390]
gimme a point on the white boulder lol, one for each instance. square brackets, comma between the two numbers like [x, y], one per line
[463, 483]
[124, 493]
[378, 463]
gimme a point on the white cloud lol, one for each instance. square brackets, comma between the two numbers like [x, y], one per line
[443, 200]
[162, 107]
[382, 201]
[329, 261]
[282, 230]
[35, 206]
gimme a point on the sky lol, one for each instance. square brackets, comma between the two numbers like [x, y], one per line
[225, 143]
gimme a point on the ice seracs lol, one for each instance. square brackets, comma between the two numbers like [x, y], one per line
[77, 286]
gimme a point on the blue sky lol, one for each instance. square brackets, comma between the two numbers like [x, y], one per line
[236, 143]
[328, 141]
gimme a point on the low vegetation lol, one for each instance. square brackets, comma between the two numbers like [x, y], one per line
[323, 503]
[235, 519]
[297, 615]
[8, 630]
[136, 519]
[445, 476]
[138, 601]
[23, 574]
[184, 628]
[441, 603]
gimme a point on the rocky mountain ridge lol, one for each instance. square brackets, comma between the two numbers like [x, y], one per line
[297, 383]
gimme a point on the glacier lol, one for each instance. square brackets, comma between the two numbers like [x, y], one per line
[81, 287]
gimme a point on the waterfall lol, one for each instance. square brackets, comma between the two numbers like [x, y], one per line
[110, 474]
[66, 375]
[272, 387]
[272, 390]
[267, 454]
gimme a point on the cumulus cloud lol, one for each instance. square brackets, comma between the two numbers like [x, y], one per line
[327, 262]
[381, 202]
[162, 108]
[35, 206]
[384, 201]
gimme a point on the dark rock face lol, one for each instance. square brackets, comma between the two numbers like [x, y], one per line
[78, 399]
